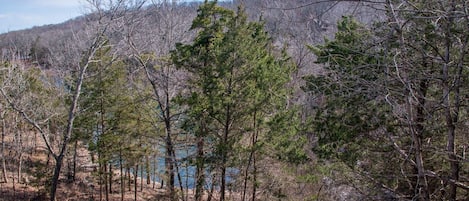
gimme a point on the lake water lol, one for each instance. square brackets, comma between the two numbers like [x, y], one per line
[187, 171]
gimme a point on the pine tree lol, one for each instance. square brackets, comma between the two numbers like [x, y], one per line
[349, 86]
[111, 117]
[237, 81]
[399, 83]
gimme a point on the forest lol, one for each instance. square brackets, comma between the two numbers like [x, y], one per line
[239, 100]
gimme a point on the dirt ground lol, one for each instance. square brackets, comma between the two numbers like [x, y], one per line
[84, 187]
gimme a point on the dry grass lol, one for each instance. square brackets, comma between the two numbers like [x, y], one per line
[83, 188]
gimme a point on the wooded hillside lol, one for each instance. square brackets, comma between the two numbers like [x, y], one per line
[239, 100]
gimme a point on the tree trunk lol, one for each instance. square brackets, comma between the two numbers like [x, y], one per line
[246, 175]
[129, 182]
[147, 169]
[135, 182]
[121, 175]
[251, 160]
[212, 187]
[454, 162]
[186, 168]
[142, 170]
[55, 177]
[451, 133]
[105, 173]
[19, 148]
[169, 162]
[200, 166]
[254, 166]
[155, 170]
[178, 174]
[224, 154]
[223, 180]
[20, 166]
[75, 156]
[97, 43]
[14, 186]
[2, 152]
[110, 177]
[100, 175]
[417, 129]
[451, 108]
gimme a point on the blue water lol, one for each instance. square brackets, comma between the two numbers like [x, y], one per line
[187, 171]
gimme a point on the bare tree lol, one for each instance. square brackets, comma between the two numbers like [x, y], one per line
[40, 123]
[2, 151]
[433, 78]
[160, 32]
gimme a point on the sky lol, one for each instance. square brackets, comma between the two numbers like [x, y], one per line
[22, 14]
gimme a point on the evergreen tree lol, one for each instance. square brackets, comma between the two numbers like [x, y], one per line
[349, 86]
[237, 82]
[399, 84]
[110, 117]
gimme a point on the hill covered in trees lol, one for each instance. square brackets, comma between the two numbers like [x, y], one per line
[241, 100]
